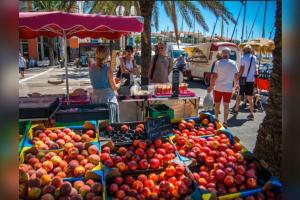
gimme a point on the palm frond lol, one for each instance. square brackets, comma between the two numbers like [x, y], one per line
[183, 9]
[218, 9]
[155, 16]
[174, 20]
[194, 12]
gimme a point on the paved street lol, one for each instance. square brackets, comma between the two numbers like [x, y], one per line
[36, 80]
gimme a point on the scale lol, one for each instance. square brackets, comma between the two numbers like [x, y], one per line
[175, 77]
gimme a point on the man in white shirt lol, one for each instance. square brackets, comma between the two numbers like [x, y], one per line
[225, 73]
[247, 72]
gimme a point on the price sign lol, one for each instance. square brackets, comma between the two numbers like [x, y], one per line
[175, 83]
[158, 127]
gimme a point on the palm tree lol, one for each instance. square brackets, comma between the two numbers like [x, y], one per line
[67, 6]
[149, 9]
[269, 139]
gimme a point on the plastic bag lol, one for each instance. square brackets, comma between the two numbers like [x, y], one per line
[208, 102]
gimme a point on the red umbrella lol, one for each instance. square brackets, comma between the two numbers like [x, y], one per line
[66, 25]
[52, 24]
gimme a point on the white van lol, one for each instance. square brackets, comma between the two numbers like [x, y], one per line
[173, 50]
[202, 56]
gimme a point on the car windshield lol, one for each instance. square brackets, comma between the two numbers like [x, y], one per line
[177, 53]
[232, 55]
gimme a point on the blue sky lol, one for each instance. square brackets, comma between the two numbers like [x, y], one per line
[233, 7]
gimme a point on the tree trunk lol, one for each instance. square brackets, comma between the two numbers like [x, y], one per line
[51, 51]
[269, 143]
[146, 7]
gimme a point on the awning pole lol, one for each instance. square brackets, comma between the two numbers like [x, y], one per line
[66, 66]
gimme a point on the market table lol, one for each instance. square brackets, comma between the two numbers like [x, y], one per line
[143, 103]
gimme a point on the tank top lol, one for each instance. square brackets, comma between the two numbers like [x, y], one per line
[128, 64]
[98, 76]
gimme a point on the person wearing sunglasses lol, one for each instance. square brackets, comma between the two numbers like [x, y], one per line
[160, 66]
[128, 64]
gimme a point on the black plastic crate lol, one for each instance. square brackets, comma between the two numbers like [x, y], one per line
[74, 113]
[37, 107]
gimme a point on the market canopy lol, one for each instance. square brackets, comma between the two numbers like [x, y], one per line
[52, 24]
[260, 45]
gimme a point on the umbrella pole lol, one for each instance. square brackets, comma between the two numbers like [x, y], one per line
[66, 66]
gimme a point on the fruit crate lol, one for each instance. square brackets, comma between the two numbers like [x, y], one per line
[75, 113]
[160, 110]
[80, 130]
[232, 141]
[73, 188]
[119, 137]
[149, 176]
[110, 155]
[37, 107]
[198, 120]
[74, 124]
[33, 151]
[265, 181]
[24, 127]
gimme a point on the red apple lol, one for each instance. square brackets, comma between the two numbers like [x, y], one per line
[154, 163]
[143, 164]
[228, 180]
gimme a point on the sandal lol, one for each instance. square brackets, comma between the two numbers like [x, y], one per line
[225, 125]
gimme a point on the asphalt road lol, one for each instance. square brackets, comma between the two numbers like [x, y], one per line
[36, 80]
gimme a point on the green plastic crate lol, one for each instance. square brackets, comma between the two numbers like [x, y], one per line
[160, 110]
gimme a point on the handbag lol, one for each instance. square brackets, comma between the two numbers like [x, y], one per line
[242, 80]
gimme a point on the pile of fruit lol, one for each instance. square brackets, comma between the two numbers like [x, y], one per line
[124, 133]
[55, 139]
[191, 128]
[172, 183]
[73, 161]
[222, 168]
[58, 189]
[141, 155]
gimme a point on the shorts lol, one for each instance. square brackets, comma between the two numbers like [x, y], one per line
[247, 89]
[21, 70]
[219, 95]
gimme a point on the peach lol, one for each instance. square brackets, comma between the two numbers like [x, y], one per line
[90, 182]
[85, 153]
[60, 142]
[48, 189]
[40, 172]
[90, 196]
[61, 135]
[89, 166]
[53, 146]
[79, 171]
[57, 181]
[137, 185]
[80, 146]
[90, 133]
[96, 188]
[68, 146]
[63, 164]
[83, 162]
[80, 157]
[73, 152]
[61, 174]
[49, 155]
[34, 193]
[71, 134]
[37, 165]
[94, 159]
[85, 138]
[65, 189]
[56, 160]
[23, 176]
[47, 165]
[45, 179]
[84, 190]
[33, 161]
[53, 136]
[72, 165]
[47, 197]
[93, 149]
[76, 138]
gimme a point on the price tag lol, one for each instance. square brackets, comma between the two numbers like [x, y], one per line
[175, 83]
[158, 127]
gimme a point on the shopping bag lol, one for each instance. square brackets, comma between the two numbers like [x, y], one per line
[208, 102]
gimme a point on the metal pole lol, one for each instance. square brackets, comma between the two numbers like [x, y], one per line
[263, 28]
[245, 6]
[66, 66]
[236, 22]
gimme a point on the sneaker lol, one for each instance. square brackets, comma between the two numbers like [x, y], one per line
[250, 117]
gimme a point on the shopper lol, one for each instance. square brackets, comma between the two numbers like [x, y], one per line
[22, 65]
[103, 83]
[128, 64]
[246, 82]
[180, 62]
[224, 74]
[160, 66]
